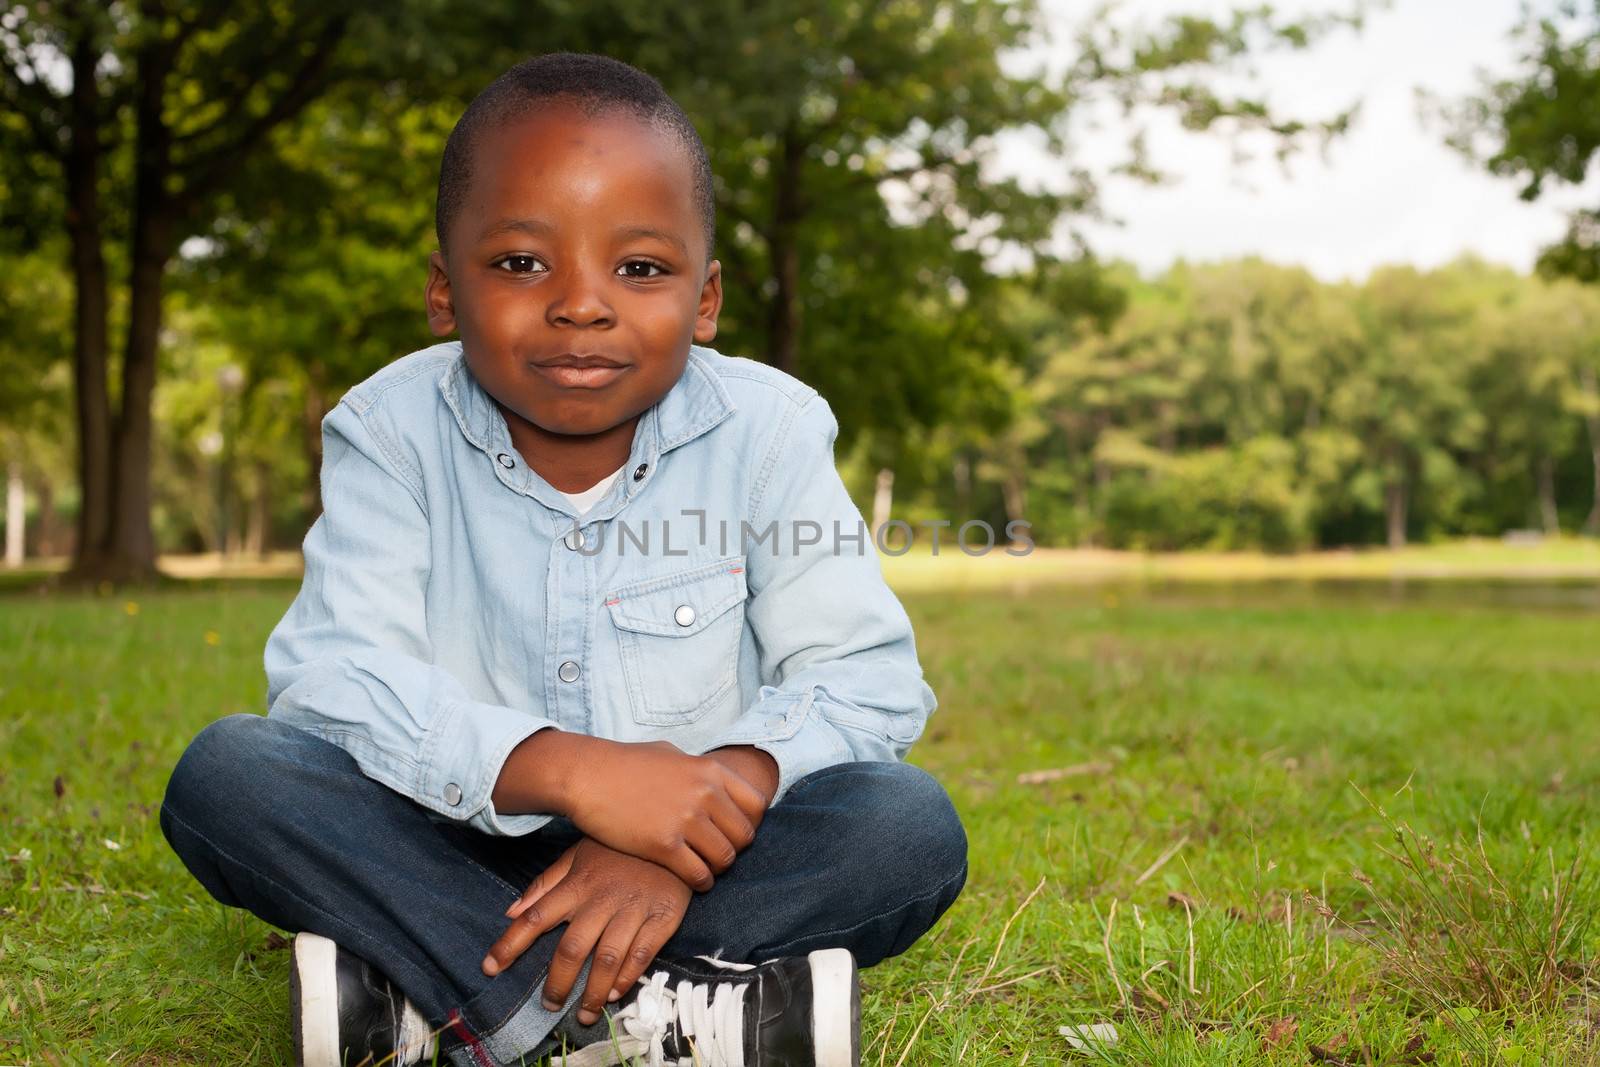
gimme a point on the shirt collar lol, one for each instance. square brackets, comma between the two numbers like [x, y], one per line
[697, 401]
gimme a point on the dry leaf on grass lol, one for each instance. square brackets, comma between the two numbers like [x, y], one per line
[1083, 1038]
[1281, 1031]
[1055, 774]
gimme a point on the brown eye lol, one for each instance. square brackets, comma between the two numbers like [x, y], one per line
[640, 268]
[519, 264]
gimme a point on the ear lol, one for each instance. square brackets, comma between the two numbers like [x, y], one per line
[705, 323]
[441, 309]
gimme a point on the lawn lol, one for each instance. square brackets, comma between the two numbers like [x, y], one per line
[1265, 823]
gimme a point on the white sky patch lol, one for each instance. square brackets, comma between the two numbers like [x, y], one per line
[1389, 191]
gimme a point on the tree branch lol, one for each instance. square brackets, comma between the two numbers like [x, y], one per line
[927, 163]
[238, 82]
[205, 173]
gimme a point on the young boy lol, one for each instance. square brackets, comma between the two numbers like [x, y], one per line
[585, 728]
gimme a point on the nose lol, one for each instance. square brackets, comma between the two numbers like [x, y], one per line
[580, 301]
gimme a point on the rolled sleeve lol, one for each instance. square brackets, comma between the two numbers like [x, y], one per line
[838, 656]
[351, 659]
[467, 751]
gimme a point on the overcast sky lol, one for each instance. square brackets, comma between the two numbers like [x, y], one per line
[1390, 191]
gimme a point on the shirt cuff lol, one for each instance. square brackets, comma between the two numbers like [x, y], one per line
[462, 756]
[789, 728]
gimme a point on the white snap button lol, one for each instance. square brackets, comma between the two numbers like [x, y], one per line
[506, 461]
[568, 671]
[452, 794]
[574, 539]
[684, 616]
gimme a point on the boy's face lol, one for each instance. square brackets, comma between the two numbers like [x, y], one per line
[576, 269]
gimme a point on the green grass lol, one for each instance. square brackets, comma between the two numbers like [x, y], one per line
[1374, 806]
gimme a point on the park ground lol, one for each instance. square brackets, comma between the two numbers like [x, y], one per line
[1246, 810]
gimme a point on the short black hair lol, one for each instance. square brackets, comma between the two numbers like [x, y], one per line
[593, 82]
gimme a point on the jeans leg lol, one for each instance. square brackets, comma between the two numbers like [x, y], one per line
[276, 820]
[863, 856]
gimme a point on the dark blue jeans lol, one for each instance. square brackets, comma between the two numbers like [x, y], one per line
[864, 856]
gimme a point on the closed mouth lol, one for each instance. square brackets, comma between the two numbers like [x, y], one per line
[573, 371]
[571, 359]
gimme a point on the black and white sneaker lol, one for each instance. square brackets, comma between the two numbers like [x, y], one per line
[344, 1013]
[703, 1012]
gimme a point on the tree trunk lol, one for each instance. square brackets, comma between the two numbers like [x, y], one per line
[1015, 490]
[116, 542]
[1394, 507]
[259, 540]
[47, 538]
[1547, 497]
[1102, 482]
[16, 514]
[132, 548]
[90, 325]
[783, 312]
[963, 480]
[882, 500]
[1591, 525]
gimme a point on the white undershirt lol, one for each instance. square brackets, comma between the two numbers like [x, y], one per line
[588, 498]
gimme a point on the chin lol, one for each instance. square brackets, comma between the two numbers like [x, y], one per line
[579, 421]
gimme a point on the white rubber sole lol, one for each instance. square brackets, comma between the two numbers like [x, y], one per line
[317, 990]
[836, 1008]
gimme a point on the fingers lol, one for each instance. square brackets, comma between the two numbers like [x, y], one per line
[686, 863]
[571, 952]
[660, 923]
[733, 824]
[535, 920]
[609, 953]
[710, 844]
[752, 802]
[548, 879]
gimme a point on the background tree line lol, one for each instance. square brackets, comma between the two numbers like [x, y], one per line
[215, 217]
[1244, 404]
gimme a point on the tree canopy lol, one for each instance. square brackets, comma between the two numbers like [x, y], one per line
[225, 188]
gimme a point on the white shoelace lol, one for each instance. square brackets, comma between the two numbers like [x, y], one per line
[416, 1040]
[713, 1022]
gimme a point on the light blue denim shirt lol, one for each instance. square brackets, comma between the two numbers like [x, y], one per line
[725, 591]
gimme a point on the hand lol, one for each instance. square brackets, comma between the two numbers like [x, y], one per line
[753, 765]
[618, 906]
[690, 814]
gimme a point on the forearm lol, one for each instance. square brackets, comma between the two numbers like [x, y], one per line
[538, 776]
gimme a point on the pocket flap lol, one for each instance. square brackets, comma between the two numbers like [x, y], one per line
[678, 605]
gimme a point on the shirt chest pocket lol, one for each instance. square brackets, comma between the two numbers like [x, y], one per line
[679, 639]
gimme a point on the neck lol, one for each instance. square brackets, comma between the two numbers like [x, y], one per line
[571, 462]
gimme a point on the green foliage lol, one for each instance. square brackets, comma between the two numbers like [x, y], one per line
[35, 398]
[1245, 496]
[1542, 124]
[1248, 405]
[284, 185]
